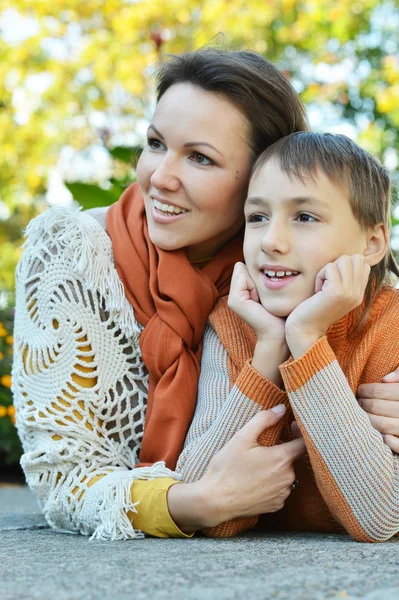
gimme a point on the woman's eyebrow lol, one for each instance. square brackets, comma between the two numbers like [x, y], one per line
[159, 134]
[190, 144]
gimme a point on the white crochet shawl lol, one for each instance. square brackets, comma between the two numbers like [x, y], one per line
[79, 383]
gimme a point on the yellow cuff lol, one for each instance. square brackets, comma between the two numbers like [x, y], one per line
[153, 515]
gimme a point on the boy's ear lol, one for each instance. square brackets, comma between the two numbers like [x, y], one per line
[376, 245]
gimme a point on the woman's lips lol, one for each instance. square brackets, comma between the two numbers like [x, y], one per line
[160, 217]
[277, 285]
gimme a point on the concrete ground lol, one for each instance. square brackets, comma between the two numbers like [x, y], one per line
[38, 563]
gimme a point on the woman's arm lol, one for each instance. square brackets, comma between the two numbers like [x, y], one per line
[78, 380]
[357, 473]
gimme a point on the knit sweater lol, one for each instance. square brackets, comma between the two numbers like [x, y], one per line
[349, 478]
[80, 387]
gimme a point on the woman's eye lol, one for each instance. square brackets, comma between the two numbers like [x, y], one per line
[155, 144]
[256, 218]
[201, 159]
[305, 218]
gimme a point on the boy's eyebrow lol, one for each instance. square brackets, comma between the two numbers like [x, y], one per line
[189, 144]
[299, 200]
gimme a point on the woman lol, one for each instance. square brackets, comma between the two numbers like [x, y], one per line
[112, 308]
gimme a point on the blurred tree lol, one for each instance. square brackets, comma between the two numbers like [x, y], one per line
[75, 76]
[75, 81]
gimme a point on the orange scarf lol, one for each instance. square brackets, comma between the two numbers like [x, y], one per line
[172, 299]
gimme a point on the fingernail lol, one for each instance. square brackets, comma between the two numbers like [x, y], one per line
[279, 409]
[388, 377]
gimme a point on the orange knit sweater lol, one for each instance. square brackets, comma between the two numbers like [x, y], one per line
[349, 479]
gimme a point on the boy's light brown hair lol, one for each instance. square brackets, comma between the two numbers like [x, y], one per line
[304, 154]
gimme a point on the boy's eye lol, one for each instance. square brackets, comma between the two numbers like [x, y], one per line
[256, 218]
[201, 159]
[306, 218]
[155, 144]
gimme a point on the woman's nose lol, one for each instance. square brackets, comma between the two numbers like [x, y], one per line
[276, 239]
[165, 176]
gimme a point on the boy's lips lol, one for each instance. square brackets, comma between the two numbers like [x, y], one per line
[276, 277]
[277, 283]
[278, 270]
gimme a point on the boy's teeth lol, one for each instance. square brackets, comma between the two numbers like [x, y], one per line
[280, 273]
[168, 208]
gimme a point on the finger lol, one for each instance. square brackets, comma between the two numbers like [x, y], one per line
[384, 408]
[393, 442]
[366, 276]
[361, 272]
[392, 377]
[293, 450]
[296, 432]
[261, 421]
[245, 282]
[345, 269]
[241, 286]
[237, 273]
[328, 274]
[384, 424]
[382, 391]
[253, 292]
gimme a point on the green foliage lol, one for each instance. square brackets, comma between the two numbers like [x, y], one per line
[10, 447]
[80, 80]
[94, 59]
[90, 196]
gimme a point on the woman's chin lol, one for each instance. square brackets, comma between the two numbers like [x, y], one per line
[163, 242]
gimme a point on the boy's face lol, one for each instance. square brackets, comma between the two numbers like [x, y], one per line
[296, 228]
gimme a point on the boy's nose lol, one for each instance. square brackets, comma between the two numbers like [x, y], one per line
[275, 239]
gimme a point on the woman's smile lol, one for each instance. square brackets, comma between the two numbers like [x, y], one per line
[166, 213]
[194, 176]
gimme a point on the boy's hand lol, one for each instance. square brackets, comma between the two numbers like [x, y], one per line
[244, 301]
[339, 288]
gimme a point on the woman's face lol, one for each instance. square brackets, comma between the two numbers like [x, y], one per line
[194, 170]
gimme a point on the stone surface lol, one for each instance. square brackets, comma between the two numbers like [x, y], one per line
[38, 563]
[17, 499]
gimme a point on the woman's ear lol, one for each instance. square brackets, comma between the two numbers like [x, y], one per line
[377, 245]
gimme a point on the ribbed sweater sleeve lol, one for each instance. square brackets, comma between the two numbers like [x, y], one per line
[222, 410]
[356, 472]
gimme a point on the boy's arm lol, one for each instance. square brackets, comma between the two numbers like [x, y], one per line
[356, 472]
[221, 411]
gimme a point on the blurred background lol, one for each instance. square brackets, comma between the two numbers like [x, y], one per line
[76, 95]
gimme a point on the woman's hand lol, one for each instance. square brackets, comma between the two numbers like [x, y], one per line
[381, 403]
[243, 479]
[247, 479]
[244, 301]
[339, 288]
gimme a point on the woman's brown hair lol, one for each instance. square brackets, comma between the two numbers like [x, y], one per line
[365, 180]
[250, 82]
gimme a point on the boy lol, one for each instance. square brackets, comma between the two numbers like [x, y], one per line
[316, 286]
